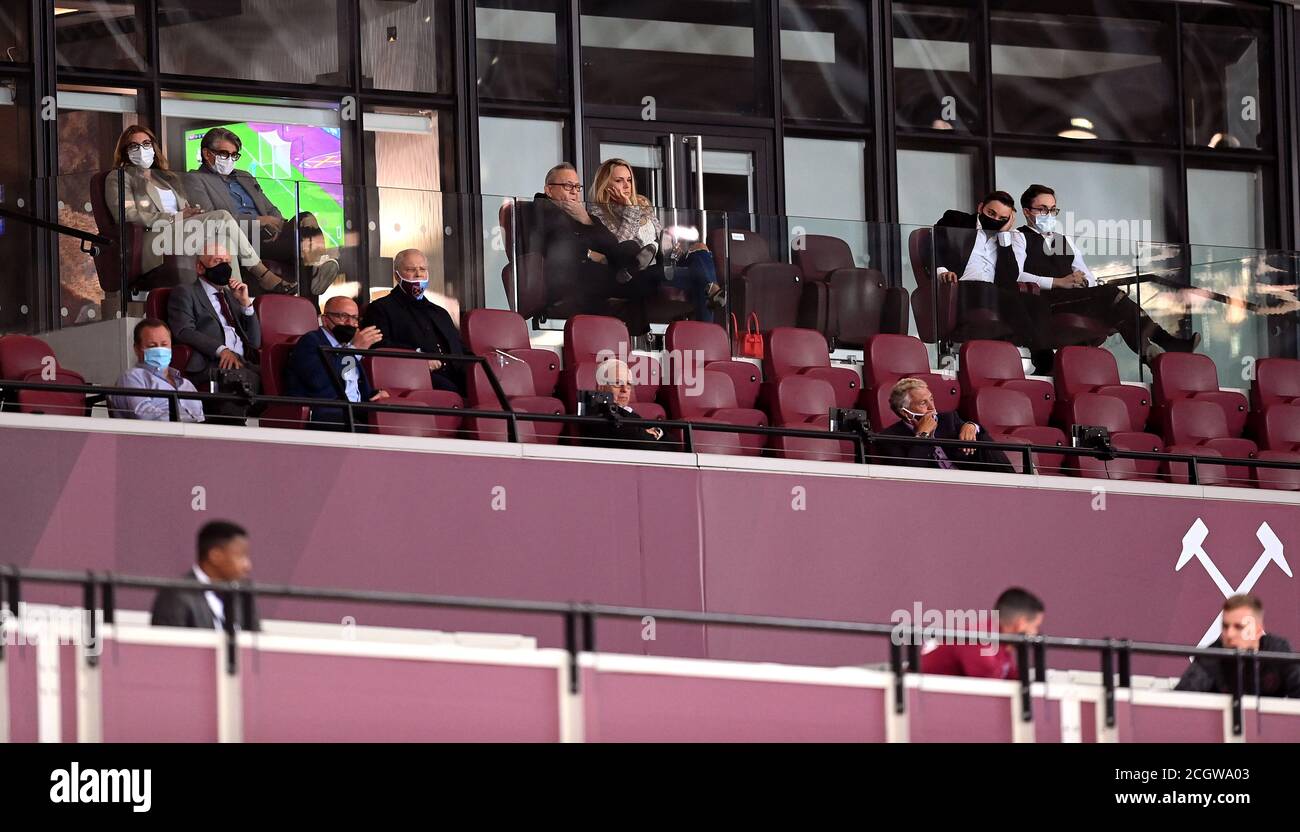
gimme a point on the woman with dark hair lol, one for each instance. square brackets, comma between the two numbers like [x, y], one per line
[148, 193]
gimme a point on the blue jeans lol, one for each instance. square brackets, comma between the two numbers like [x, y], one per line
[695, 273]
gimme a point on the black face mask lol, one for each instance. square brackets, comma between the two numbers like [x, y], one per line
[991, 224]
[218, 275]
[344, 333]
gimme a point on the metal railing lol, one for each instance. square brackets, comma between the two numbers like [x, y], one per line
[1114, 655]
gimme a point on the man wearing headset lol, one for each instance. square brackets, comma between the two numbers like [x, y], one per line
[912, 400]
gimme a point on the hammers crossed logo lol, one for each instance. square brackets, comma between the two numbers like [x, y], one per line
[1192, 547]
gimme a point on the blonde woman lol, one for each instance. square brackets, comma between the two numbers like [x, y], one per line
[153, 198]
[629, 216]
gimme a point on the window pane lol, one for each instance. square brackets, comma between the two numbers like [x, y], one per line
[285, 41]
[1225, 208]
[521, 51]
[406, 46]
[696, 58]
[101, 35]
[1083, 77]
[1228, 81]
[13, 33]
[825, 178]
[90, 122]
[931, 182]
[17, 240]
[1097, 199]
[934, 77]
[824, 60]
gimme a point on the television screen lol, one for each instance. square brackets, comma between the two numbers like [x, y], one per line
[298, 167]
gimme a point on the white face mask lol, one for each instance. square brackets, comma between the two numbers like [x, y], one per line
[141, 157]
[223, 166]
[1046, 223]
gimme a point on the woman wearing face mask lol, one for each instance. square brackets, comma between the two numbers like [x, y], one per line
[148, 193]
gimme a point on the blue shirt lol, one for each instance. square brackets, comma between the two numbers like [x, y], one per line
[351, 372]
[244, 203]
[154, 409]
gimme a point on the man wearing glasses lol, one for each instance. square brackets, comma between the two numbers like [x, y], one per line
[583, 259]
[306, 374]
[219, 185]
[1049, 260]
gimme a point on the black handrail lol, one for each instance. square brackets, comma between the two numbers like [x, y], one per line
[67, 230]
[107, 583]
[857, 438]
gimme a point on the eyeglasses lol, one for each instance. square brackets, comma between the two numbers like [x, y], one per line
[343, 316]
[1039, 212]
[571, 187]
[219, 155]
[144, 145]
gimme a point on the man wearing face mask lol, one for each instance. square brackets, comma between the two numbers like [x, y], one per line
[409, 320]
[1050, 260]
[214, 317]
[306, 375]
[983, 251]
[153, 352]
[218, 184]
[912, 400]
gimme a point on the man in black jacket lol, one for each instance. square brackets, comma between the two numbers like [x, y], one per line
[1243, 629]
[223, 557]
[409, 320]
[912, 400]
[614, 377]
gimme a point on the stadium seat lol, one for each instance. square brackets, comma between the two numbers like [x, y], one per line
[590, 338]
[489, 330]
[1201, 424]
[998, 364]
[1279, 479]
[1008, 416]
[934, 304]
[886, 359]
[791, 351]
[1100, 410]
[1093, 370]
[399, 376]
[523, 271]
[715, 401]
[516, 380]
[1185, 375]
[800, 401]
[1277, 382]
[394, 423]
[21, 354]
[284, 319]
[28, 359]
[706, 342]
[49, 401]
[155, 306]
[1280, 428]
[853, 304]
[756, 281]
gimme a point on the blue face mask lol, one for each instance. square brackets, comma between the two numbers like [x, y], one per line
[158, 357]
[1045, 223]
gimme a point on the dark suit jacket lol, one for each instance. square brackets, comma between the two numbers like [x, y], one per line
[195, 323]
[954, 239]
[305, 375]
[563, 243]
[917, 455]
[208, 188]
[423, 325]
[175, 608]
[624, 435]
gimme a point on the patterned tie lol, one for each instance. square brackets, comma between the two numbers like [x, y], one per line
[942, 458]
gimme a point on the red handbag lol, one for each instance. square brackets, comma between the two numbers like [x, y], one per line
[751, 343]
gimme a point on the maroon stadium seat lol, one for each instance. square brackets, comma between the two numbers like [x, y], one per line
[516, 379]
[399, 376]
[420, 424]
[525, 269]
[802, 352]
[21, 354]
[1108, 412]
[1277, 382]
[998, 364]
[756, 281]
[155, 306]
[24, 358]
[49, 401]
[1008, 416]
[845, 302]
[886, 359]
[1280, 428]
[1194, 424]
[1093, 370]
[715, 401]
[1185, 375]
[284, 319]
[489, 330]
[586, 339]
[1280, 479]
[805, 402]
[698, 340]
[934, 304]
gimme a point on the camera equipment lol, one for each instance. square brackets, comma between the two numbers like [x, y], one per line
[849, 420]
[1094, 437]
[595, 403]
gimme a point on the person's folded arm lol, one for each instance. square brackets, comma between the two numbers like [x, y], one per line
[1080, 266]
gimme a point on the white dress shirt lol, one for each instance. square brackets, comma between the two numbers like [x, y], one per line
[154, 408]
[214, 602]
[233, 343]
[983, 261]
[1049, 241]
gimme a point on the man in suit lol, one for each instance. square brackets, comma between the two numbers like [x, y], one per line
[615, 377]
[214, 317]
[218, 185]
[307, 376]
[982, 252]
[223, 556]
[409, 320]
[912, 400]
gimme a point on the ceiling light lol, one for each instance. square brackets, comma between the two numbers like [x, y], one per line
[1075, 133]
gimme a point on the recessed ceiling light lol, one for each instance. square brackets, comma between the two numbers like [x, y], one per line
[58, 10]
[1075, 133]
[1081, 123]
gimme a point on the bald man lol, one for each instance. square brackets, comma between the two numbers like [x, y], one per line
[409, 320]
[306, 375]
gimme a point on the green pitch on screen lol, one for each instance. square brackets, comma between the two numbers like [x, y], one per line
[285, 185]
